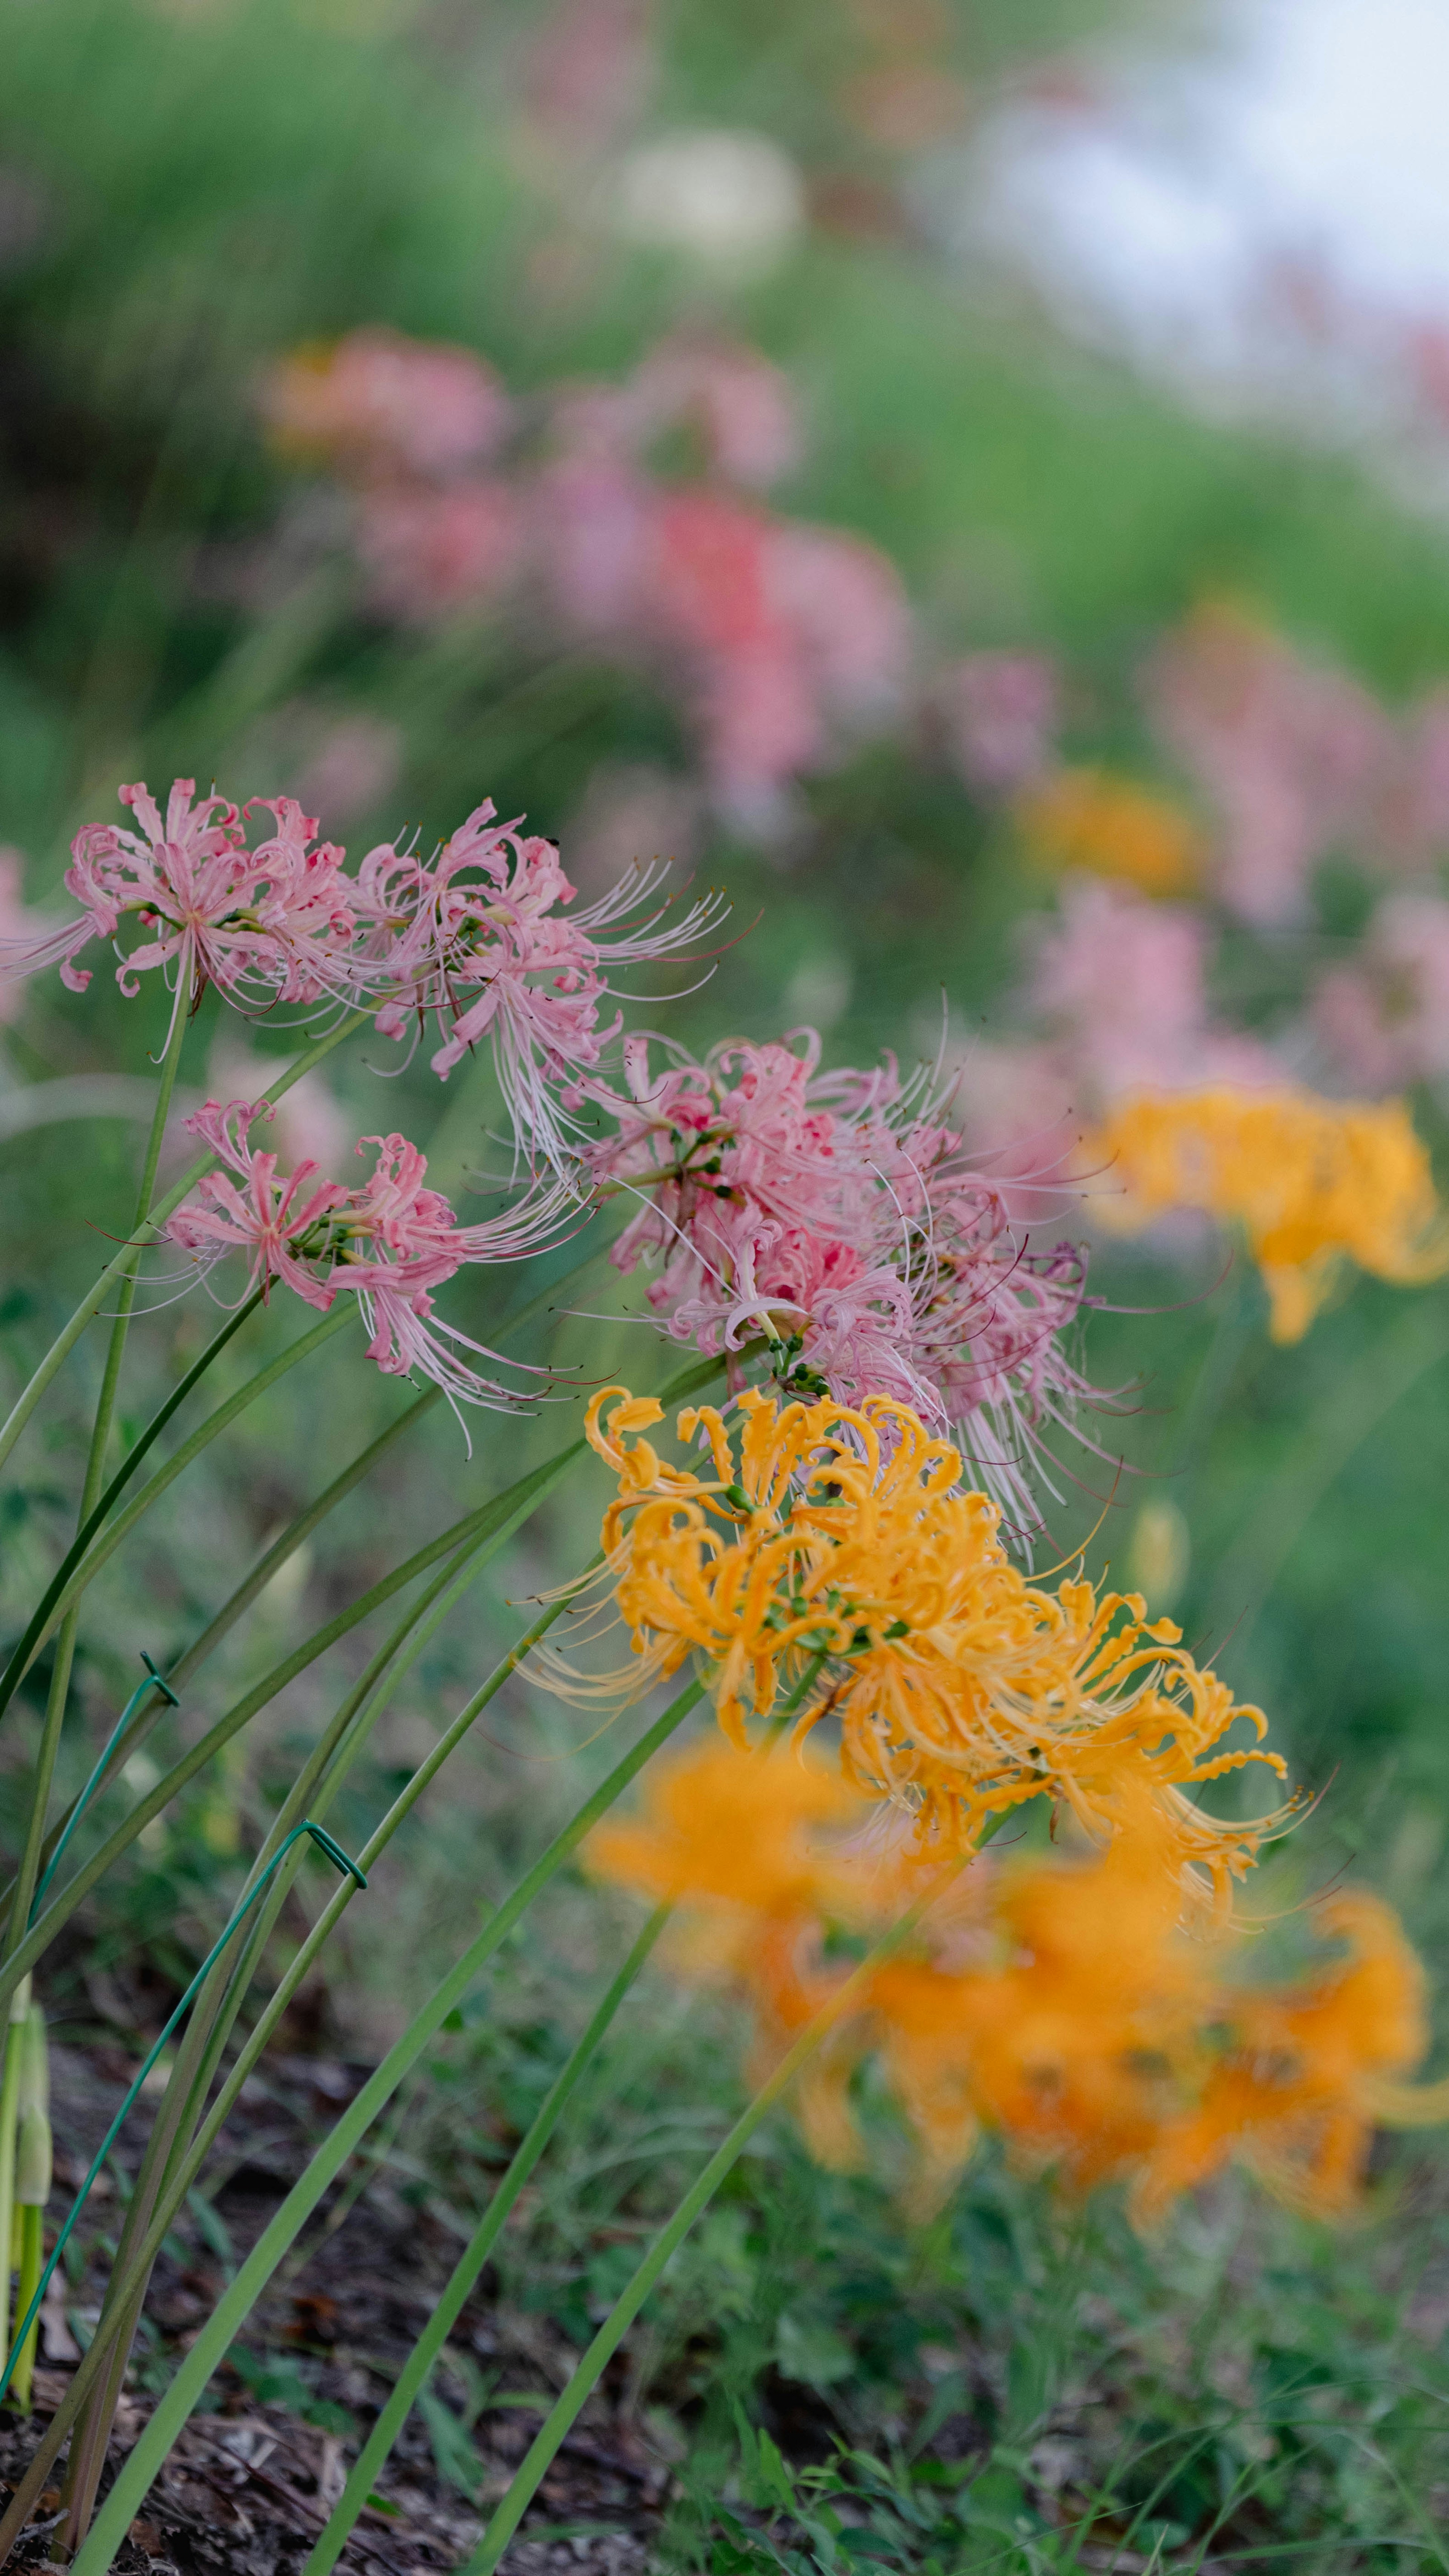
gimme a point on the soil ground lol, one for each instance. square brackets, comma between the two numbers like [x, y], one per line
[249, 2485]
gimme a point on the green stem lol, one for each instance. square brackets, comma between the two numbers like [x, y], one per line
[9, 2106]
[143, 1708]
[236, 2303]
[67, 1602]
[562, 2416]
[470, 2263]
[471, 1527]
[540, 1481]
[122, 1264]
[32, 2248]
[59, 1692]
[38, 1630]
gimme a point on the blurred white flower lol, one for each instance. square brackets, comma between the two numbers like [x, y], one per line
[732, 199]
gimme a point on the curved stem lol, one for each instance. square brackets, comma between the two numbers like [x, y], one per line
[236, 2303]
[122, 1264]
[38, 1630]
[470, 2262]
[139, 1717]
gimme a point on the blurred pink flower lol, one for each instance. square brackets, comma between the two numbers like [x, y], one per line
[842, 602]
[1286, 753]
[308, 1124]
[1119, 984]
[19, 928]
[632, 814]
[377, 402]
[430, 552]
[1411, 811]
[389, 1243]
[1385, 1019]
[741, 406]
[836, 1215]
[353, 765]
[1001, 712]
[591, 522]
[589, 72]
[791, 630]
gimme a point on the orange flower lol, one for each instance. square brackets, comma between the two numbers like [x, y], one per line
[1308, 2072]
[1112, 827]
[751, 1844]
[1078, 2040]
[1313, 1183]
[1076, 2007]
[839, 1557]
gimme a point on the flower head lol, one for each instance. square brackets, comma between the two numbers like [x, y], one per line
[836, 1214]
[267, 924]
[389, 1242]
[1284, 752]
[476, 940]
[1313, 1183]
[836, 1556]
[1384, 1018]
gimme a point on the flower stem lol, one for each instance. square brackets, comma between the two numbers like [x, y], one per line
[65, 1603]
[120, 1268]
[539, 2458]
[230, 2314]
[470, 2262]
[37, 1630]
[9, 2106]
[59, 1692]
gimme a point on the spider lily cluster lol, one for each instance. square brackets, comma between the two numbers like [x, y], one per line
[833, 1550]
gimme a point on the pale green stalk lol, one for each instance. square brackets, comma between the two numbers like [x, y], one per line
[9, 2105]
[690, 1382]
[121, 1266]
[238, 2299]
[419, 2363]
[561, 2417]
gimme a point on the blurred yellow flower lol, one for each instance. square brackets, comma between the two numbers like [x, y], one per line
[1312, 1182]
[1112, 827]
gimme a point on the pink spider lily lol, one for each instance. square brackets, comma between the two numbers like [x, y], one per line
[270, 924]
[475, 941]
[835, 1215]
[390, 1242]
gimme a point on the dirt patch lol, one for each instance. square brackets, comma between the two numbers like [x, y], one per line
[249, 2485]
